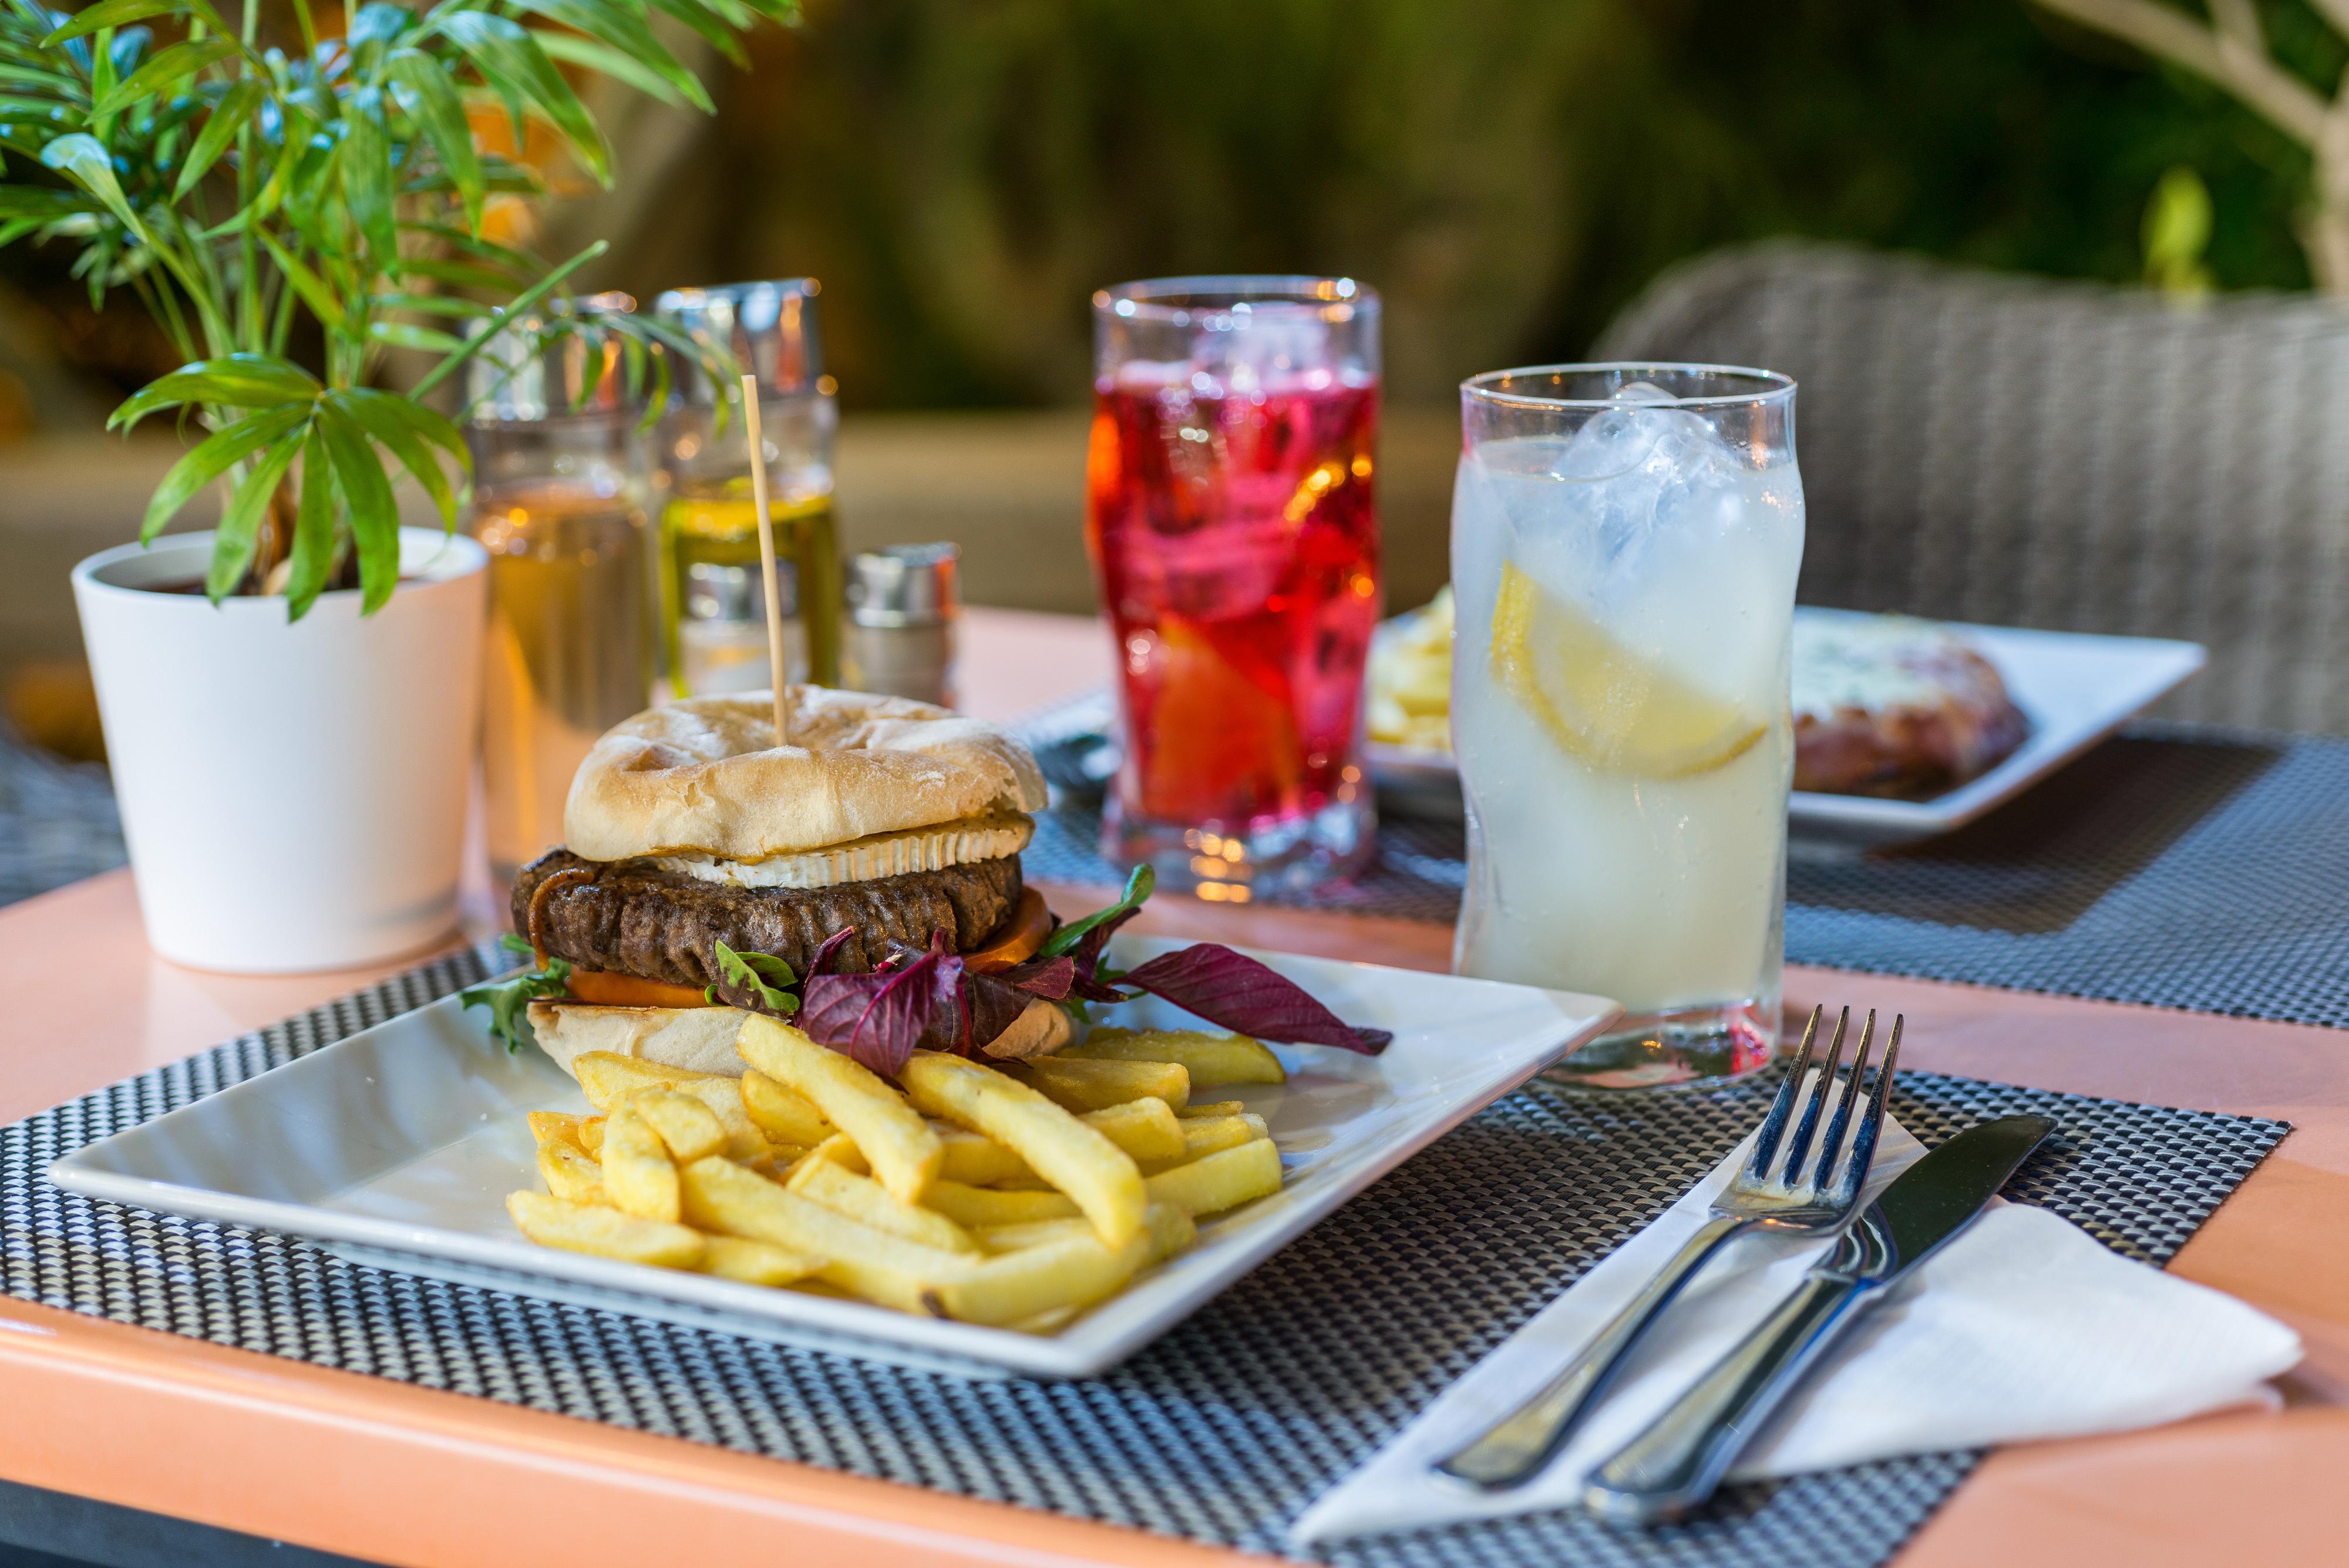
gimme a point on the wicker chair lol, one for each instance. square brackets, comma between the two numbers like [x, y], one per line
[1990, 447]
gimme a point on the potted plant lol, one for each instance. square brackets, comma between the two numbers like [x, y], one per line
[289, 698]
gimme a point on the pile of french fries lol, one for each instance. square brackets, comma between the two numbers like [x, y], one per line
[1016, 1195]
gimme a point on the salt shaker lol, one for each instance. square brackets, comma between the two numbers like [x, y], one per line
[900, 637]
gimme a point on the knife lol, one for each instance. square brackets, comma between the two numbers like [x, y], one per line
[1674, 1465]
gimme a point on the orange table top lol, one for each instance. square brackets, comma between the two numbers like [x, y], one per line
[399, 1474]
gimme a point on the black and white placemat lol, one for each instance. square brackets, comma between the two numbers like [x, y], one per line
[2173, 866]
[58, 820]
[1224, 1430]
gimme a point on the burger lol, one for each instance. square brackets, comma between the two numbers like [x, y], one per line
[705, 866]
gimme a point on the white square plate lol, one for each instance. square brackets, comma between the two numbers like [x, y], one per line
[397, 1146]
[2075, 688]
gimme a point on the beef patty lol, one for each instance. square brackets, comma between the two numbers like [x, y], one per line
[635, 918]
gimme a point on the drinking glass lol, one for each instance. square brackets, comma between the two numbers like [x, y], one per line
[1232, 519]
[1625, 540]
[560, 503]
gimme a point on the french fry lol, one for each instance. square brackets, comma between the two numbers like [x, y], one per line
[988, 1206]
[978, 1160]
[782, 1114]
[604, 1233]
[1032, 1233]
[607, 1078]
[1204, 1136]
[863, 1199]
[1095, 1085]
[1146, 1129]
[721, 1195]
[903, 1152]
[690, 1128]
[1211, 1108]
[638, 1176]
[1209, 1058]
[570, 1174]
[591, 1136]
[1220, 1181]
[838, 1149]
[1099, 1178]
[755, 1262]
[1072, 1272]
[545, 1127]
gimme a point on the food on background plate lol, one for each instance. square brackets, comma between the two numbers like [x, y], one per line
[1411, 678]
[1887, 705]
[833, 1111]
[1884, 705]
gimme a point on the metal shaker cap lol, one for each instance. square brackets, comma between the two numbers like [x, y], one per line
[768, 328]
[715, 592]
[905, 585]
[524, 374]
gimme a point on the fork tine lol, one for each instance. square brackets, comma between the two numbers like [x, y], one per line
[1843, 1109]
[1773, 1125]
[1798, 1152]
[1863, 1143]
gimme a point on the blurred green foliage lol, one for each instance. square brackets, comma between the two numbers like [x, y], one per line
[962, 173]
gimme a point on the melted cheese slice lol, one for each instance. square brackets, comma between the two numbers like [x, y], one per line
[870, 858]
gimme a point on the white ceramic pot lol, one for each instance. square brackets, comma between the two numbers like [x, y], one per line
[293, 796]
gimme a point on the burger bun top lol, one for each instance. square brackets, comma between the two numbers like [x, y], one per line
[705, 776]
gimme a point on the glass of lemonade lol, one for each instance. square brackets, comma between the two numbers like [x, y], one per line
[1625, 540]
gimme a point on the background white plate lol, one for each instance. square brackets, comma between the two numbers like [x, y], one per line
[2075, 688]
[397, 1146]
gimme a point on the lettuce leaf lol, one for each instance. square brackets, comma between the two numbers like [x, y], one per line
[1236, 992]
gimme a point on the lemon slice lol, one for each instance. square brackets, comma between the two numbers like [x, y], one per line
[1605, 704]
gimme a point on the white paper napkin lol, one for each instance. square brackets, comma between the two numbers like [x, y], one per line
[2024, 1326]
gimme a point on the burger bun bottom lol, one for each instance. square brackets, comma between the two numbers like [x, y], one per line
[701, 1039]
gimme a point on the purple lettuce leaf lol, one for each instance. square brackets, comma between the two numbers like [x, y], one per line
[819, 962]
[1048, 978]
[1236, 993]
[879, 1019]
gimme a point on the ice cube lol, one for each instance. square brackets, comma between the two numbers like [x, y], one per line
[1593, 516]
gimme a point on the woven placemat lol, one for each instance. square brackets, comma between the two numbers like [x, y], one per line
[1225, 1429]
[58, 822]
[2173, 866]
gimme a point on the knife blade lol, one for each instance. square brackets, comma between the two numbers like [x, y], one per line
[1674, 1465]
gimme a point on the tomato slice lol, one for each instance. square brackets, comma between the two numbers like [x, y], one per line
[1016, 940]
[609, 990]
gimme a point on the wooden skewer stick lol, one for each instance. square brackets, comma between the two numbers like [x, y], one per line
[767, 558]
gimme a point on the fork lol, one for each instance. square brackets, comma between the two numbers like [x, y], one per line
[1792, 1194]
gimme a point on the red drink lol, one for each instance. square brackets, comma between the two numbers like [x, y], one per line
[1233, 519]
[1237, 539]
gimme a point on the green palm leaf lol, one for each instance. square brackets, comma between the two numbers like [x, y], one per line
[431, 101]
[382, 416]
[238, 381]
[240, 523]
[179, 61]
[375, 516]
[213, 457]
[236, 106]
[624, 31]
[510, 59]
[314, 529]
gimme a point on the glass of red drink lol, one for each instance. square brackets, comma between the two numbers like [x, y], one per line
[1232, 516]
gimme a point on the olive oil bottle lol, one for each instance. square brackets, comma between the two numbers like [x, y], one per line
[713, 607]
